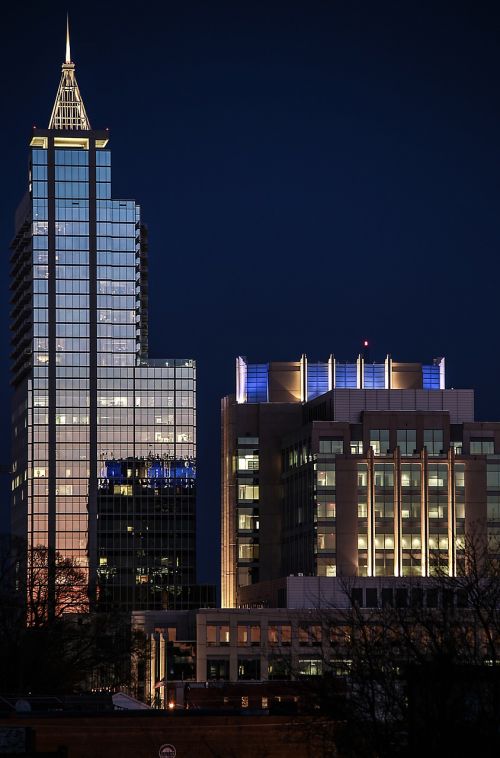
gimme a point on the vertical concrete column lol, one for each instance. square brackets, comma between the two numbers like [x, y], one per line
[424, 513]
[370, 504]
[452, 521]
[398, 525]
[476, 504]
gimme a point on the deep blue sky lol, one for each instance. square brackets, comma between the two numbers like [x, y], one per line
[311, 173]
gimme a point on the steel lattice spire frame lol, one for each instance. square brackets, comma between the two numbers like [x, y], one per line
[69, 111]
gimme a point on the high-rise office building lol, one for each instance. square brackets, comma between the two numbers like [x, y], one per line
[104, 447]
[361, 469]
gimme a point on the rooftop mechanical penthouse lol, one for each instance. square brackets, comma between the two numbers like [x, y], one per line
[104, 446]
[351, 469]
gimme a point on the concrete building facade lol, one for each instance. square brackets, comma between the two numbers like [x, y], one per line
[351, 470]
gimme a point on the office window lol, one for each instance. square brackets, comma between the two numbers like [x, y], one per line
[438, 506]
[407, 441]
[433, 441]
[384, 541]
[248, 491]
[325, 509]
[272, 634]
[493, 507]
[248, 668]
[279, 667]
[326, 475]
[482, 447]
[411, 505]
[248, 634]
[217, 634]
[310, 667]
[248, 460]
[356, 447]
[437, 475]
[410, 475]
[217, 669]
[326, 540]
[379, 441]
[248, 549]
[333, 446]
[362, 542]
[384, 475]
[460, 476]
[362, 475]
[493, 538]
[248, 519]
[493, 476]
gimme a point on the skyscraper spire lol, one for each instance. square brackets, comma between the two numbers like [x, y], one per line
[68, 49]
[69, 111]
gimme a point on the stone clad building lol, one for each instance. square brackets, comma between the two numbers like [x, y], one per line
[334, 469]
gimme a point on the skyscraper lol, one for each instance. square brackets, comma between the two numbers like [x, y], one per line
[104, 447]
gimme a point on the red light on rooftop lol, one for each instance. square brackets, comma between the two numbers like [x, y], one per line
[365, 343]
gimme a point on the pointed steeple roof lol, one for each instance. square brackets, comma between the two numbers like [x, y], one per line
[69, 111]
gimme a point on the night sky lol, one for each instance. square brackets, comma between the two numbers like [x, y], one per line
[311, 174]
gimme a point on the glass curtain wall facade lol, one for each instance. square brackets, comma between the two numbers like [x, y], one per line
[104, 447]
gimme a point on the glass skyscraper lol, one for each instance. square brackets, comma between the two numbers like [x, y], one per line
[104, 446]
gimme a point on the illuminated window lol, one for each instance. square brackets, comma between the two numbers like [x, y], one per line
[248, 519]
[122, 489]
[248, 491]
[248, 549]
[310, 667]
[379, 441]
[326, 475]
[248, 634]
[362, 475]
[384, 475]
[248, 460]
[438, 475]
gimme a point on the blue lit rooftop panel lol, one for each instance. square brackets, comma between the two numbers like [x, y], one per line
[346, 376]
[431, 377]
[317, 379]
[257, 380]
[374, 376]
